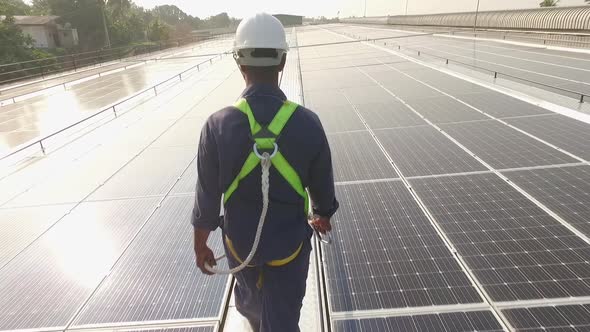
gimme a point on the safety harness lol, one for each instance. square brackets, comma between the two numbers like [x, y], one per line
[265, 139]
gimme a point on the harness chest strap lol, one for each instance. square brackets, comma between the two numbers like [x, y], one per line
[278, 161]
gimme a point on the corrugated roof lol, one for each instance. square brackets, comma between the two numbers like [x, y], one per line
[34, 20]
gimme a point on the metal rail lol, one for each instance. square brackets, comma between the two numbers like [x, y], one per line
[73, 61]
[567, 92]
[110, 108]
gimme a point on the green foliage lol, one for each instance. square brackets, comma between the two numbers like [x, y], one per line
[14, 7]
[159, 31]
[549, 3]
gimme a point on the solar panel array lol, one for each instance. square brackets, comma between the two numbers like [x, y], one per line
[481, 227]
[450, 220]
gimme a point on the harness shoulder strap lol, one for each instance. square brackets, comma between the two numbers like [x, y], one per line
[276, 126]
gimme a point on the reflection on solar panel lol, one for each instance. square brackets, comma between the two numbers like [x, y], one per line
[573, 318]
[168, 267]
[515, 249]
[446, 322]
[339, 118]
[55, 275]
[564, 190]
[425, 151]
[503, 147]
[386, 254]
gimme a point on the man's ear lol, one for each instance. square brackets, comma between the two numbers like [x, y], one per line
[283, 61]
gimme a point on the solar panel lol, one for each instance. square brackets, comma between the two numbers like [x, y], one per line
[500, 105]
[156, 279]
[176, 329]
[515, 249]
[162, 166]
[564, 190]
[425, 151]
[407, 88]
[572, 318]
[569, 134]
[392, 114]
[355, 156]
[188, 180]
[374, 94]
[339, 118]
[19, 227]
[444, 322]
[503, 147]
[386, 254]
[444, 110]
[49, 281]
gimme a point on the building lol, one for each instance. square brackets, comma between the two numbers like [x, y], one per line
[289, 20]
[46, 32]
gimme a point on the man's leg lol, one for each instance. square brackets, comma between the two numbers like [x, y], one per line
[247, 295]
[283, 290]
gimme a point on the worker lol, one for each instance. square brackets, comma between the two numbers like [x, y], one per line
[270, 290]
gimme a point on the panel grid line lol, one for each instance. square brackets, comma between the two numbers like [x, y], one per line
[495, 171]
[492, 117]
[487, 300]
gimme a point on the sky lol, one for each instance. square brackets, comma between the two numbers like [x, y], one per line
[330, 8]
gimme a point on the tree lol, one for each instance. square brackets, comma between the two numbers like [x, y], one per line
[15, 45]
[14, 7]
[549, 3]
[158, 31]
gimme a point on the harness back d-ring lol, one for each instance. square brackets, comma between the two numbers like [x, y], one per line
[276, 149]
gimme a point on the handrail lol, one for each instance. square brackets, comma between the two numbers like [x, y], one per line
[583, 96]
[69, 61]
[111, 107]
[137, 60]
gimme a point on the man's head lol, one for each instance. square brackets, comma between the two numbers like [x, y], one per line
[260, 48]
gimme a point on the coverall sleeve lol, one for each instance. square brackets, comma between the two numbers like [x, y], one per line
[208, 193]
[321, 184]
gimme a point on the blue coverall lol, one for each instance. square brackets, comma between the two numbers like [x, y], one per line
[224, 146]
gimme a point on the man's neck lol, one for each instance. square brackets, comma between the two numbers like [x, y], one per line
[266, 80]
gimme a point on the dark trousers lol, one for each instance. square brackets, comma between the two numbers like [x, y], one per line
[276, 305]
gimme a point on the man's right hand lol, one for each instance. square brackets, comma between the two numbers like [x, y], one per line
[321, 224]
[205, 255]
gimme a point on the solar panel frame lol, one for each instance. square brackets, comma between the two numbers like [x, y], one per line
[500, 105]
[445, 110]
[162, 165]
[503, 147]
[356, 157]
[573, 318]
[423, 150]
[159, 283]
[392, 114]
[564, 190]
[448, 322]
[564, 132]
[390, 256]
[48, 282]
[514, 248]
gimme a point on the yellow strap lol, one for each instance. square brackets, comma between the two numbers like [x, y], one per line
[273, 263]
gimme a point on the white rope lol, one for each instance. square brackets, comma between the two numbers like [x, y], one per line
[265, 162]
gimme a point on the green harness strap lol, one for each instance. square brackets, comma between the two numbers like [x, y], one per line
[267, 143]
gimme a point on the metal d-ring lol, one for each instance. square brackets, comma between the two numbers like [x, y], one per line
[276, 149]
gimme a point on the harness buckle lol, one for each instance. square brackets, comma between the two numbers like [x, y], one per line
[260, 156]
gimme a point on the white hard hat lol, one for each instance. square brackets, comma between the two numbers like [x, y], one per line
[261, 31]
